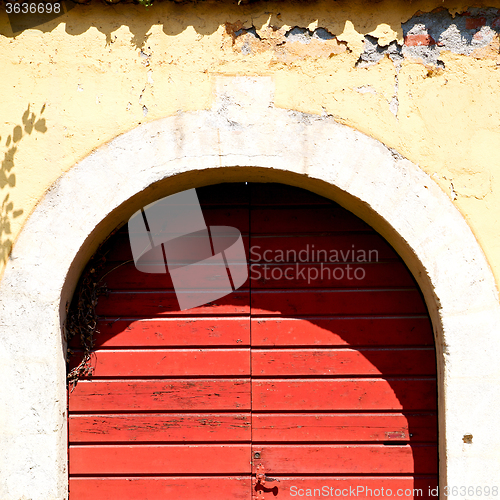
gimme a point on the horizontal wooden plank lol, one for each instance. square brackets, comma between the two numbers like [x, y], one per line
[344, 394]
[227, 216]
[224, 193]
[320, 247]
[214, 216]
[283, 362]
[169, 362]
[342, 331]
[273, 194]
[160, 488]
[347, 459]
[321, 276]
[387, 427]
[171, 332]
[154, 427]
[300, 362]
[276, 276]
[362, 488]
[194, 250]
[154, 304]
[160, 395]
[345, 302]
[214, 488]
[265, 332]
[127, 277]
[160, 459]
[271, 220]
[120, 250]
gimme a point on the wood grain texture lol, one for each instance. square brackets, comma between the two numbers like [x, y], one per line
[320, 247]
[160, 427]
[347, 459]
[345, 427]
[161, 488]
[306, 219]
[331, 302]
[281, 195]
[170, 362]
[159, 459]
[342, 331]
[153, 304]
[220, 216]
[329, 376]
[160, 395]
[320, 276]
[337, 362]
[172, 332]
[343, 394]
[361, 487]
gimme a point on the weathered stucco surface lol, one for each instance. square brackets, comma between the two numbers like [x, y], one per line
[415, 79]
[235, 141]
[423, 84]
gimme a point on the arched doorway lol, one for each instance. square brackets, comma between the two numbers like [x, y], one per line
[237, 141]
[318, 375]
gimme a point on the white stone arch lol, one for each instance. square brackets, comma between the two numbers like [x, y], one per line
[242, 138]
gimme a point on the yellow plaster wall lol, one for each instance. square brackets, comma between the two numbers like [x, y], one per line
[74, 83]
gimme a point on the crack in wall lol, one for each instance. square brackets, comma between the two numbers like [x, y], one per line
[373, 53]
[394, 104]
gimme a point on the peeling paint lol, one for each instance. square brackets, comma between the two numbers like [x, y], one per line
[374, 52]
[422, 80]
[467, 439]
[427, 35]
[286, 44]
[304, 35]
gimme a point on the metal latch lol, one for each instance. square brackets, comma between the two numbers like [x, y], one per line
[260, 482]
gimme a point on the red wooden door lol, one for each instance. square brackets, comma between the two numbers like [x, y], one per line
[316, 375]
[343, 363]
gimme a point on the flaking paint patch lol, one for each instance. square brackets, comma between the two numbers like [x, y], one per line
[471, 33]
[188, 45]
[285, 43]
[467, 439]
[373, 52]
[474, 32]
